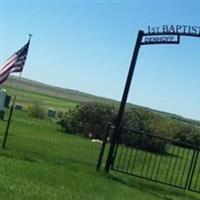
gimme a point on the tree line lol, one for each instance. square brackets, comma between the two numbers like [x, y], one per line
[92, 118]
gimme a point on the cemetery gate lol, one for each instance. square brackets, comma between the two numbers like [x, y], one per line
[182, 162]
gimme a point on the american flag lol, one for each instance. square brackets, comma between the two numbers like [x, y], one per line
[14, 63]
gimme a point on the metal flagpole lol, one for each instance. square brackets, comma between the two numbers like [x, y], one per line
[11, 109]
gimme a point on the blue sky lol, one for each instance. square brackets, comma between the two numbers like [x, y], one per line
[87, 46]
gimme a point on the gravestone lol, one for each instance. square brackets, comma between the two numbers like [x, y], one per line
[2, 103]
[18, 107]
[7, 101]
[51, 113]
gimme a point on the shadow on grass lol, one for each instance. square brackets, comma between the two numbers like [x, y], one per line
[159, 190]
[37, 157]
[17, 156]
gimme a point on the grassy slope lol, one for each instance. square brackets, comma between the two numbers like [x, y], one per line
[38, 179]
[42, 163]
[74, 97]
[41, 88]
[26, 98]
[27, 176]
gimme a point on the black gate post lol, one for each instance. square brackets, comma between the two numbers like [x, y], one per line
[103, 147]
[8, 124]
[7, 128]
[123, 101]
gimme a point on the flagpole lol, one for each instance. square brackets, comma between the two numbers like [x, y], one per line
[12, 107]
[19, 77]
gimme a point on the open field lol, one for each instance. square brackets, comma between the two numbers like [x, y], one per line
[60, 98]
[27, 98]
[40, 162]
[41, 88]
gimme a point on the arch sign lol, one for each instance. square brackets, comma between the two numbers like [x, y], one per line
[166, 34]
[169, 34]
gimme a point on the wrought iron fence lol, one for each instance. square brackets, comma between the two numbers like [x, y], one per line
[194, 183]
[157, 159]
[136, 153]
[43, 135]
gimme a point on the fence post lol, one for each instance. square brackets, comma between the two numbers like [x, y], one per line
[192, 169]
[123, 101]
[8, 124]
[103, 147]
[7, 128]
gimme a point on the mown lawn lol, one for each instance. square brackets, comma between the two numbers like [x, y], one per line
[24, 176]
[41, 162]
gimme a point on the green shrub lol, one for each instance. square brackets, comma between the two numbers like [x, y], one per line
[92, 118]
[189, 135]
[140, 126]
[37, 110]
[87, 118]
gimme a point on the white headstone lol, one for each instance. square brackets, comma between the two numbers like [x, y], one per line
[2, 99]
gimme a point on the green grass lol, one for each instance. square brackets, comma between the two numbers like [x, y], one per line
[36, 179]
[40, 162]
[41, 88]
[27, 98]
[25, 176]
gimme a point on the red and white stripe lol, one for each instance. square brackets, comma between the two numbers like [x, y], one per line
[15, 63]
[7, 68]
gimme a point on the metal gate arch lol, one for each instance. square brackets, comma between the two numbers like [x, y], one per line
[141, 40]
[152, 38]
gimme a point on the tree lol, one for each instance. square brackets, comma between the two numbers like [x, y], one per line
[37, 110]
[92, 118]
[88, 118]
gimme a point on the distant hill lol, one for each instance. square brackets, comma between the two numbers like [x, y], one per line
[77, 96]
[42, 88]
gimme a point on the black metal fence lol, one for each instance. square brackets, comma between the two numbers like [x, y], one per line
[136, 153]
[157, 159]
[42, 137]
[194, 184]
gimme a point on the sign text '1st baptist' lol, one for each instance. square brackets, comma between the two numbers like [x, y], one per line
[169, 33]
